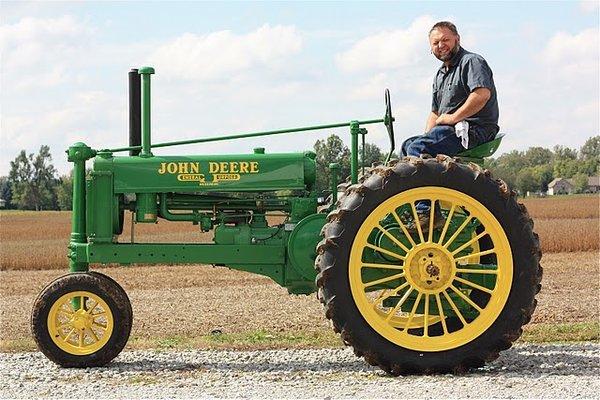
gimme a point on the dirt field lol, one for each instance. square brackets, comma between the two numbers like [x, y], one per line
[177, 302]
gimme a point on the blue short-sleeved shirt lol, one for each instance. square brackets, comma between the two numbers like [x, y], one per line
[452, 85]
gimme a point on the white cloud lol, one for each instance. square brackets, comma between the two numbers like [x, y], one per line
[573, 57]
[38, 41]
[389, 49]
[589, 6]
[219, 54]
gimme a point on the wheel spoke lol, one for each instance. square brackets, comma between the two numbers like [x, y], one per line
[458, 231]
[400, 302]
[456, 310]
[431, 217]
[478, 254]
[384, 251]
[101, 313]
[441, 313]
[447, 224]
[426, 320]
[477, 271]
[465, 298]
[92, 334]
[81, 337]
[413, 311]
[383, 280]
[89, 311]
[404, 230]
[100, 325]
[470, 242]
[394, 292]
[69, 334]
[474, 285]
[383, 266]
[392, 238]
[417, 222]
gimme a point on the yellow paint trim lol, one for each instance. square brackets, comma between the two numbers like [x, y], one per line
[84, 331]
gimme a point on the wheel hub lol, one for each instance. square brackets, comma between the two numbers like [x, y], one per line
[430, 268]
[82, 320]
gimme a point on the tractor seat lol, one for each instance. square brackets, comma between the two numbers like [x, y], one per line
[478, 153]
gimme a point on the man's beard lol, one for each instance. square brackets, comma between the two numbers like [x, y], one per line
[450, 54]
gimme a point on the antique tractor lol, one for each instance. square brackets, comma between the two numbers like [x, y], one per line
[422, 264]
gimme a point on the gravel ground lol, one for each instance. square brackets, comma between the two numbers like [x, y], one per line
[525, 371]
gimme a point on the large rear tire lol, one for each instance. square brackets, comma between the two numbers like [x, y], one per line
[412, 298]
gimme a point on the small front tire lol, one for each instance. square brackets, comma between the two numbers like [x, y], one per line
[82, 319]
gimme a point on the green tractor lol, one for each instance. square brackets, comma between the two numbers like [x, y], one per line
[411, 293]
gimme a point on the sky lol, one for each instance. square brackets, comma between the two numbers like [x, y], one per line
[235, 67]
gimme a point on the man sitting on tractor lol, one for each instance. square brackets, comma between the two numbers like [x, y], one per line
[464, 110]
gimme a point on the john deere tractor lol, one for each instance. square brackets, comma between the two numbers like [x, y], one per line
[440, 290]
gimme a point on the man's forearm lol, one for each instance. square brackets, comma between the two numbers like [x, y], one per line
[473, 104]
[430, 121]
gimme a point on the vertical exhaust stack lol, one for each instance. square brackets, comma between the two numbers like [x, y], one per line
[135, 114]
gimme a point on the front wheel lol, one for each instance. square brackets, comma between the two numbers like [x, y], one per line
[82, 320]
[429, 266]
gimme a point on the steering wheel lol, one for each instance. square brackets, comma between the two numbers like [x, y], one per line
[388, 120]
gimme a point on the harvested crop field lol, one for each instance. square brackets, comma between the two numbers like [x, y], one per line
[179, 306]
[38, 240]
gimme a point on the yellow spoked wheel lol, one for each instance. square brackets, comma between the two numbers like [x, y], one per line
[80, 323]
[426, 294]
[428, 265]
[82, 320]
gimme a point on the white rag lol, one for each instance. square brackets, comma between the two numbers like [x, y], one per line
[462, 131]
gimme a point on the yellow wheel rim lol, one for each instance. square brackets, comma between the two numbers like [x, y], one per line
[441, 296]
[80, 323]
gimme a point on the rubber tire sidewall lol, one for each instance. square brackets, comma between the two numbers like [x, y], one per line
[499, 336]
[102, 286]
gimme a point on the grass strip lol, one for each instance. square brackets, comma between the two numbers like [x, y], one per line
[264, 340]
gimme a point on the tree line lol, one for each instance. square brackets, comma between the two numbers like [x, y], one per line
[33, 182]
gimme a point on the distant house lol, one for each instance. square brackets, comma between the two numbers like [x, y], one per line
[593, 184]
[2, 203]
[560, 186]
[566, 186]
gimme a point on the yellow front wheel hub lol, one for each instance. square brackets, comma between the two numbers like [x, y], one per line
[80, 323]
[427, 294]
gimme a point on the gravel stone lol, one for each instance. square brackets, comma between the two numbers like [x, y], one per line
[525, 371]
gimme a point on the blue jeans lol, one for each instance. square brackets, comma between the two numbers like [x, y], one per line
[441, 139]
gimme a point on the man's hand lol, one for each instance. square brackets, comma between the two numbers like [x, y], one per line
[446, 119]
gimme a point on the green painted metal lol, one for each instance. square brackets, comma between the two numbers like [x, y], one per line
[78, 154]
[302, 245]
[483, 150]
[334, 168]
[354, 132]
[249, 135]
[223, 173]
[145, 72]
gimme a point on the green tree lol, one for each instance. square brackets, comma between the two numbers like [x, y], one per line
[328, 151]
[526, 181]
[566, 168]
[543, 174]
[373, 154]
[564, 153]
[5, 192]
[538, 156]
[580, 182]
[591, 149]
[64, 192]
[32, 180]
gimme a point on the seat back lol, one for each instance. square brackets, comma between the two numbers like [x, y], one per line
[478, 153]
